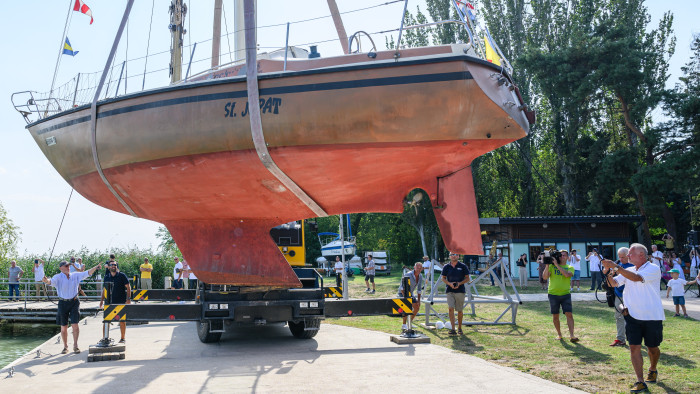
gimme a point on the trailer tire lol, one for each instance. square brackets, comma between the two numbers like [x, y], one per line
[299, 329]
[203, 332]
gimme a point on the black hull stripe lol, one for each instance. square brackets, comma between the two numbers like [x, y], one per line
[315, 87]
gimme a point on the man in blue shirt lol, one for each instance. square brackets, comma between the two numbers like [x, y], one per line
[455, 275]
[66, 285]
[623, 260]
[120, 294]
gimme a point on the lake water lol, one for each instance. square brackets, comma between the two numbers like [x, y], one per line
[17, 339]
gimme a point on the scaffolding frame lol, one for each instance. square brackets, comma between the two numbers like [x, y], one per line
[511, 301]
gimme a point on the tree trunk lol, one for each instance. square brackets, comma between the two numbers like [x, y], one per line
[645, 221]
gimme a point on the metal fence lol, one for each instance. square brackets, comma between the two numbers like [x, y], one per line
[28, 291]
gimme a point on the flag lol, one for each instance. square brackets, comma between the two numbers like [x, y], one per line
[467, 9]
[82, 7]
[68, 49]
[491, 55]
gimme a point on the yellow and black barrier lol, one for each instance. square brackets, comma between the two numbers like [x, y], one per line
[333, 292]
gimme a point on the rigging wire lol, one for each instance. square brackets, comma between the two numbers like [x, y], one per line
[60, 51]
[148, 45]
[228, 40]
[56, 239]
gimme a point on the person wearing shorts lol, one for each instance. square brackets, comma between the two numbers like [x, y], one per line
[559, 274]
[455, 275]
[644, 313]
[369, 274]
[66, 284]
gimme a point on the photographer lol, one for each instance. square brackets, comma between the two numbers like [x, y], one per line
[623, 261]
[559, 274]
[541, 267]
[643, 311]
[594, 264]
[522, 270]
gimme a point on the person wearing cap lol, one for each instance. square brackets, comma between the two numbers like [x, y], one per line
[676, 285]
[455, 275]
[559, 274]
[622, 261]
[416, 283]
[66, 285]
[644, 313]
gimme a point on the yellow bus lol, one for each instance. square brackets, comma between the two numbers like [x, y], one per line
[289, 237]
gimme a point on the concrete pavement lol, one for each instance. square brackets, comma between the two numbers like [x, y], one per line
[164, 357]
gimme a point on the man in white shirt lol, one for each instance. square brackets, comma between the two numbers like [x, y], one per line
[575, 261]
[177, 274]
[594, 264]
[38, 271]
[644, 314]
[66, 285]
[694, 263]
[338, 272]
[656, 256]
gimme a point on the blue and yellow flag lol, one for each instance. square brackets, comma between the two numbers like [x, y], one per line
[68, 49]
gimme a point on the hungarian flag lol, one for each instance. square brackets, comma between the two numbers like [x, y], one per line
[82, 7]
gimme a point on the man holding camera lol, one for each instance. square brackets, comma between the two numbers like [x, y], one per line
[623, 261]
[644, 314]
[594, 265]
[559, 274]
[455, 275]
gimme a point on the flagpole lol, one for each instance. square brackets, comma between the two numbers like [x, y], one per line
[58, 59]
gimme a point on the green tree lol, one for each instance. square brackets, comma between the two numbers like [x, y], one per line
[9, 236]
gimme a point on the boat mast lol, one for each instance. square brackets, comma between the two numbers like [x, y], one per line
[216, 35]
[342, 35]
[239, 29]
[178, 10]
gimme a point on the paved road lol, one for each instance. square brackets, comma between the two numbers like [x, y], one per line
[165, 357]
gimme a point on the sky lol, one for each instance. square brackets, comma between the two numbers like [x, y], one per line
[34, 194]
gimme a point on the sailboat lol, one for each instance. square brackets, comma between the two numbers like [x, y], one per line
[334, 244]
[234, 152]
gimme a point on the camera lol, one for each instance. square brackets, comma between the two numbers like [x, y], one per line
[550, 255]
[36, 261]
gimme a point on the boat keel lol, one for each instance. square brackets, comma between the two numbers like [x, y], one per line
[238, 252]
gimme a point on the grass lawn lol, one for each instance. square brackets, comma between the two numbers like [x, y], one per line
[530, 346]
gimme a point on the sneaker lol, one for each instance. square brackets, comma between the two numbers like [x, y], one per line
[367, 290]
[639, 387]
[122, 340]
[372, 292]
[676, 315]
[617, 342]
[652, 376]
[686, 315]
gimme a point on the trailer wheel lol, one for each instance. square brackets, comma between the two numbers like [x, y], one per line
[203, 333]
[299, 329]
